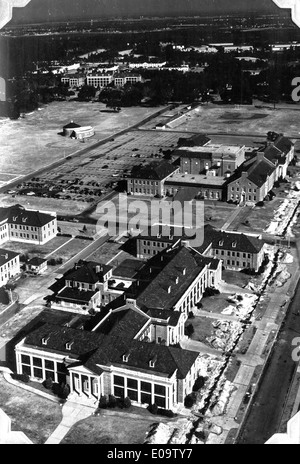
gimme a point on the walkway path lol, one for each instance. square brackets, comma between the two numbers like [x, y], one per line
[72, 413]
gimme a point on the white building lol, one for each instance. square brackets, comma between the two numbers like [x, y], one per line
[24, 225]
[99, 80]
[9, 265]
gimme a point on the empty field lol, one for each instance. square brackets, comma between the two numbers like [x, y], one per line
[33, 142]
[36, 250]
[243, 120]
[116, 429]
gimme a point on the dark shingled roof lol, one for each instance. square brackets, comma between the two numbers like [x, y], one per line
[126, 323]
[71, 125]
[128, 268]
[86, 271]
[18, 215]
[157, 287]
[153, 171]
[83, 342]
[168, 359]
[6, 256]
[257, 170]
[36, 261]
[94, 348]
[171, 317]
[74, 294]
[243, 243]
[197, 140]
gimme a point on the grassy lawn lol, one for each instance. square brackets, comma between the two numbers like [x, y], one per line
[33, 250]
[71, 249]
[260, 217]
[215, 304]
[37, 417]
[117, 429]
[217, 214]
[203, 328]
[106, 252]
[232, 369]
[236, 278]
[246, 339]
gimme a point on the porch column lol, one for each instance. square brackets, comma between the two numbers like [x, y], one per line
[80, 385]
[90, 386]
[71, 382]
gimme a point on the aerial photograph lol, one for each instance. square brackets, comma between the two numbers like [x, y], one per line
[149, 224]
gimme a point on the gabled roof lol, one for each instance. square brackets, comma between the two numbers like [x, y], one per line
[18, 215]
[6, 256]
[93, 349]
[153, 171]
[36, 261]
[168, 359]
[222, 240]
[257, 170]
[165, 278]
[89, 272]
[74, 294]
[84, 342]
[126, 323]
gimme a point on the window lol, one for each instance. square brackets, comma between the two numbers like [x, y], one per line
[132, 383]
[146, 398]
[119, 380]
[25, 359]
[37, 362]
[146, 387]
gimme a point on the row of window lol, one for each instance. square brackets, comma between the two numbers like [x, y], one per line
[10, 263]
[23, 227]
[140, 391]
[26, 236]
[143, 182]
[232, 253]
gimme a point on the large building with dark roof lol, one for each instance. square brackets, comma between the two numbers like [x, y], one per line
[124, 355]
[24, 225]
[237, 251]
[255, 178]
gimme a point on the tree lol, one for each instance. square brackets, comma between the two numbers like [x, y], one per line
[86, 92]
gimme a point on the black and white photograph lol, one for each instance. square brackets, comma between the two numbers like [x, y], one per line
[149, 224]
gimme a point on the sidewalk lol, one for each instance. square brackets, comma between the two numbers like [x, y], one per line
[72, 413]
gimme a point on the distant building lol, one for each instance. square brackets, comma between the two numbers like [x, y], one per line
[76, 131]
[150, 65]
[73, 80]
[122, 79]
[99, 80]
[150, 179]
[9, 265]
[24, 225]
[220, 160]
[255, 178]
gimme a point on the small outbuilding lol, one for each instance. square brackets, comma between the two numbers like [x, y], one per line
[36, 266]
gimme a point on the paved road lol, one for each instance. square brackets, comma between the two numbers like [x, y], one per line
[264, 416]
